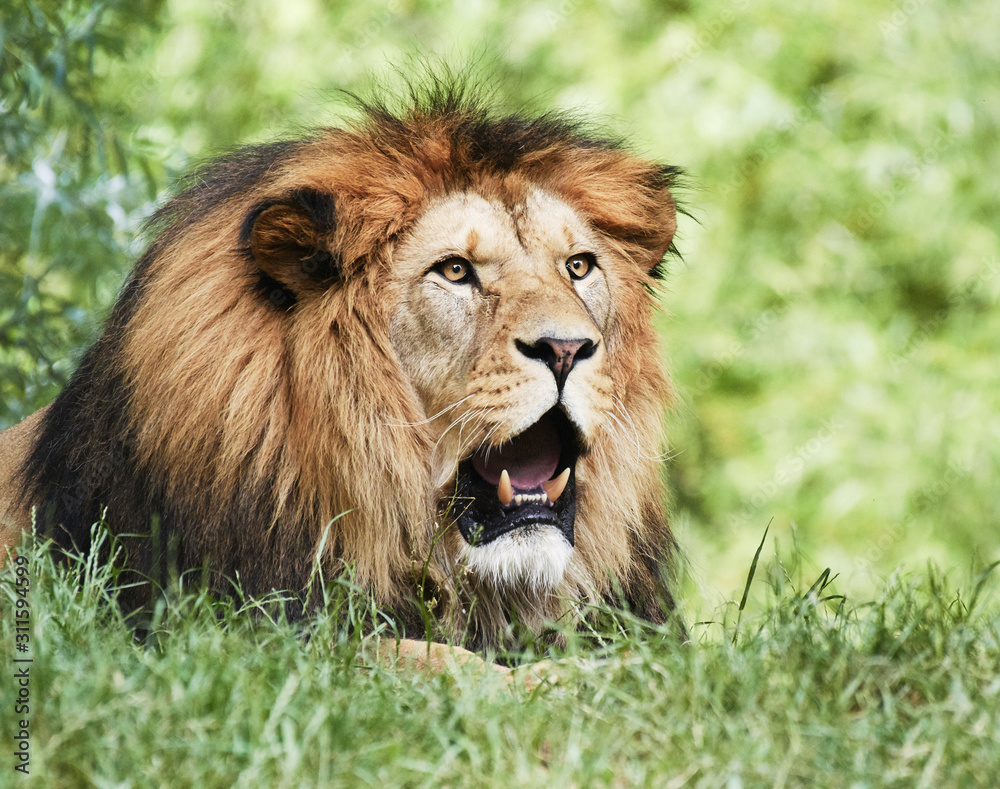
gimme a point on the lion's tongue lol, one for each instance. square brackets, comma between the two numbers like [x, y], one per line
[530, 458]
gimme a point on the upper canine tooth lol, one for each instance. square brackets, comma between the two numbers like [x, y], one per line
[505, 491]
[554, 487]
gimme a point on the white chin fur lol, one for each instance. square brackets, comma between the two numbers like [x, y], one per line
[536, 558]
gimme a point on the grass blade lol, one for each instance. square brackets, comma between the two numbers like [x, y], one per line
[750, 575]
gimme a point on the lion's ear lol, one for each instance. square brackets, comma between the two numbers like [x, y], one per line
[662, 223]
[291, 241]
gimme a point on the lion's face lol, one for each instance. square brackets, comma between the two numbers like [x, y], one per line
[501, 327]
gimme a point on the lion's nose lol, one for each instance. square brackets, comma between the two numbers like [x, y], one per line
[559, 355]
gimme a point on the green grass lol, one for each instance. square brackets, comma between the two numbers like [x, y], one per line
[812, 689]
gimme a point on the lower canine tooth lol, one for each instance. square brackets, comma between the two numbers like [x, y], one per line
[505, 491]
[554, 487]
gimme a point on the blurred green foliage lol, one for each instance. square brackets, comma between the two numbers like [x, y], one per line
[71, 184]
[833, 326]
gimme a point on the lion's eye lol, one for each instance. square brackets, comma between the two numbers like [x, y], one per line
[579, 266]
[455, 270]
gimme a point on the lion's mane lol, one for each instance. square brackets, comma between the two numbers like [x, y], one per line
[229, 422]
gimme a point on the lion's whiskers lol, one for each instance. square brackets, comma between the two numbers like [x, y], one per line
[630, 433]
[477, 414]
[489, 434]
[430, 419]
[624, 433]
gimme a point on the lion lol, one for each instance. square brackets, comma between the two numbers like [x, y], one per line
[418, 349]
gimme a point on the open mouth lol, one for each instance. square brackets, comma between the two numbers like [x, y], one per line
[526, 483]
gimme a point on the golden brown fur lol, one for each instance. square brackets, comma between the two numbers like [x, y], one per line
[15, 445]
[261, 390]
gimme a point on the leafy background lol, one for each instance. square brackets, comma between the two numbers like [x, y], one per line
[832, 326]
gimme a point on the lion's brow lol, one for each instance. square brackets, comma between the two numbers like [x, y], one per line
[471, 243]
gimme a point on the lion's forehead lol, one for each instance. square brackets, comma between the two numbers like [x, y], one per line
[528, 235]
